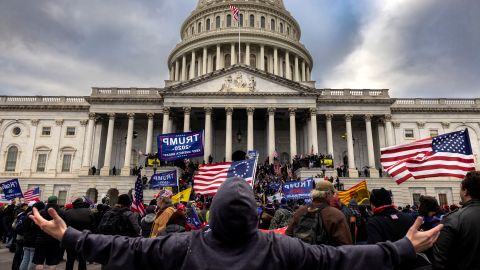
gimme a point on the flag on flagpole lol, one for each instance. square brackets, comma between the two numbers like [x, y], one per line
[235, 12]
[137, 203]
[32, 195]
[447, 155]
[211, 176]
[183, 196]
[359, 192]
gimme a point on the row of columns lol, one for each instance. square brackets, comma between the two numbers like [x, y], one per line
[312, 135]
[205, 64]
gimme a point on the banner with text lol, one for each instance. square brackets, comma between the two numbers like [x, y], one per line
[164, 179]
[298, 190]
[176, 146]
[11, 189]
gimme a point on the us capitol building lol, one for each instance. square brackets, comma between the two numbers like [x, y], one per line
[267, 101]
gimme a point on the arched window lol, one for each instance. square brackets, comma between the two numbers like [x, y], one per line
[228, 61]
[208, 25]
[253, 60]
[252, 20]
[288, 30]
[262, 22]
[241, 20]
[281, 28]
[191, 30]
[199, 28]
[229, 20]
[272, 25]
[11, 163]
[217, 22]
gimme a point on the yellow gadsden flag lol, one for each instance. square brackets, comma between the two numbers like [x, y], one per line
[359, 192]
[183, 196]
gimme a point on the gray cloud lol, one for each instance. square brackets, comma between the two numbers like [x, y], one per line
[416, 48]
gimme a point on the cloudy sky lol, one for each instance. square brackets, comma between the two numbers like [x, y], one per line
[426, 48]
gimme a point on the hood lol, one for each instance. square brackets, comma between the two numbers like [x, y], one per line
[233, 214]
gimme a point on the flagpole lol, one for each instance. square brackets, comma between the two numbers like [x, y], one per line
[239, 46]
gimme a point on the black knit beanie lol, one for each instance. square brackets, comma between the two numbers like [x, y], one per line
[380, 197]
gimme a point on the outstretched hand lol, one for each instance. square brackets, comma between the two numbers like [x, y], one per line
[55, 227]
[422, 241]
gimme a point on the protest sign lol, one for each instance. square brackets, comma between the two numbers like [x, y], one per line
[176, 146]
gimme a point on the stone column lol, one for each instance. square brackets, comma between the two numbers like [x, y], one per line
[148, 149]
[184, 68]
[233, 58]
[177, 70]
[247, 54]
[352, 171]
[271, 133]
[208, 134]
[128, 147]
[262, 57]
[296, 76]
[293, 133]
[210, 63]
[87, 157]
[218, 57]
[166, 116]
[170, 124]
[192, 66]
[280, 68]
[308, 74]
[204, 62]
[288, 71]
[228, 137]
[309, 132]
[250, 111]
[105, 171]
[186, 119]
[313, 119]
[389, 130]
[199, 66]
[172, 73]
[304, 78]
[329, 134]
[371, 154]
[275, 61]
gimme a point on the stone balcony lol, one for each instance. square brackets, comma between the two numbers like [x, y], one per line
[71, 103]
[439, 104]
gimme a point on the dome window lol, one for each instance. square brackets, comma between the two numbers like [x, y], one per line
[199, 29]
[272, 25]
[262, 22]
[252, 20]
[217, 22]
[229, 20]
[208, 25]
[281, 28]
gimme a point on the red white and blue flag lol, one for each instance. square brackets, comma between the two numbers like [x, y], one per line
[32, 195]
[137, 203]
[447, 155]
[211, 176]
[235, 12]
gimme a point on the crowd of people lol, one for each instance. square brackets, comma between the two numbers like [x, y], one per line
[324, 220]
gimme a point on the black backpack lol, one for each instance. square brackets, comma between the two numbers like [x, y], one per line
[115, 222]
[310, 227]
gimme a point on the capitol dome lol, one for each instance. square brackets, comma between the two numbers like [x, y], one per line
[270, 41]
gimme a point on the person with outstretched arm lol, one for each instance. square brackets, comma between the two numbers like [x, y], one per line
[233, 242]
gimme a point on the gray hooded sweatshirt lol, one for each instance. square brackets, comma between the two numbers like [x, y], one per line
[234, 242]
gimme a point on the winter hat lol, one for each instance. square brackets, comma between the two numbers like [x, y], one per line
[39, 206]
[52, 199]
[124, 200]
[181, 207]
[150, 209]
[380, 197]
[428, 204]
[68, 206]
[323, 185]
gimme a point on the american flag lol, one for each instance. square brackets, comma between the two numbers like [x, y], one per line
[211, 176]
[32, 195]
[448, 155]
[235, 12]
[137, 204]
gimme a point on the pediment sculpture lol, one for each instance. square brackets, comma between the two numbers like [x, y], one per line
[237, 83]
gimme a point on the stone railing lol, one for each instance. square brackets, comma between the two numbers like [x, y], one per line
[121, 92]
[353, 93]
[405, 102]
[42, 100]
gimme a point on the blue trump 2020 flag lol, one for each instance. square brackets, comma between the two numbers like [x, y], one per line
[176, 146]
[298, 190]
[164, 179]
[12, 189]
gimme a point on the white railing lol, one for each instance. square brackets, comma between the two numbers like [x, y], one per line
[355, 92]
[40, 99]
[125, 91]
[435, 102]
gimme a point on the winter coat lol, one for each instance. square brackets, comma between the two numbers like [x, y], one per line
[281, 218]
[146, 224]
[29, 232]
[459, 243]
[172, 228]
[233, 242]
[43, 239]
[388, 225]
[161, 220]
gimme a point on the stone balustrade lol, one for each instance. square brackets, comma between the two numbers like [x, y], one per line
[42, 100]
[434, 102]
[352, 93]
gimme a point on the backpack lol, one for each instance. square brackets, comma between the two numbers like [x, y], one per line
[115, 222]
[310, 227]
